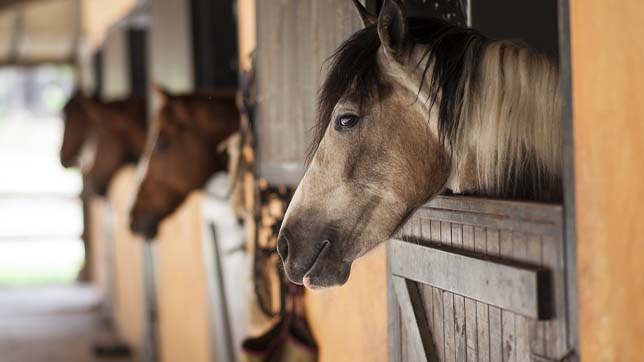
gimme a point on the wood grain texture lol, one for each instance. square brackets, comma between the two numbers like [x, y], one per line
[465, 327]
[181, 286]
[508, 286]
[294, 38]
[350, 323]
[129, 303]
[607, 50]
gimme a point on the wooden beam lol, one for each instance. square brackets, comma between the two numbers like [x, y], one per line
[520, 289]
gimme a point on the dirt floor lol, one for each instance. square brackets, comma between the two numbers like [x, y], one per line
[51, 324]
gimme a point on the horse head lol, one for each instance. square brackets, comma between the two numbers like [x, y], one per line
[181, 154]
[399, 119]
[119, 137]
[76, 132]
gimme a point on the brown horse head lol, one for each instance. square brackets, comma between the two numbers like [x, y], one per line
[76, 132]
[409, 108]
[181, 154]
[119, 136]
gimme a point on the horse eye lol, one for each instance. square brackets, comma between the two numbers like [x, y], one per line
[346, 121]
[160, 145]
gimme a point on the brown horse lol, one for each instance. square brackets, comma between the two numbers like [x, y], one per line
[119, 131]
[412, 107]
[76, 132]
[181, 154]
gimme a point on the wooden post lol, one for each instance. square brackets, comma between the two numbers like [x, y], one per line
[607, 51]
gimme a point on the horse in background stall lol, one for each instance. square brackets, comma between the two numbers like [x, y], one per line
[183, 151]
[412, 107]
[119, 132]
[76, 134]
[77, 130]
[99, 138]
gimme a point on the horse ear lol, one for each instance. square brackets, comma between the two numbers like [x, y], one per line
[180, 110]
[392, 28]
[367, 19]
[161, 92]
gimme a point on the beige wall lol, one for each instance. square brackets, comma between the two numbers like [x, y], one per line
[171, 45]
[350, 323]
[608, 91]
[116, 66]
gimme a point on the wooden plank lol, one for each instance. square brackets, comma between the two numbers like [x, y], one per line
[459, 303]
[534, 254]
[516, 210]
[522, 327]
[417, 331]
[482, 310]
[507, 317]
[496, 326]
[448, 304]
[489, 220]
[435, 229]
[471, 331]
[449, 327]
[510, 287]
[438, 330]
[471, 343]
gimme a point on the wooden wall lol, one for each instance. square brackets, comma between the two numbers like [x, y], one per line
[294, 39]
[350, 323]
[129, 293]
[181, 286]
[607, 60]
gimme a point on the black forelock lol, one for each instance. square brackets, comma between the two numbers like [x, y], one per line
[453, 55]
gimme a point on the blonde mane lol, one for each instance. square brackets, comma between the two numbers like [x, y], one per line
[511, 122]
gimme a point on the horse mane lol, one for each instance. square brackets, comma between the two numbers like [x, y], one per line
[498, 99]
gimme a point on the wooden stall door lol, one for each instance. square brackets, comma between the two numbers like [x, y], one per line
[181, 285]
[200, 282]
[130, 305]
[478, 280]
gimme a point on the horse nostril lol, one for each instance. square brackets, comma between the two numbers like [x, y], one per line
[282, 246]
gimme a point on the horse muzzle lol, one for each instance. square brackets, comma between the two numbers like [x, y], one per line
[314, 263]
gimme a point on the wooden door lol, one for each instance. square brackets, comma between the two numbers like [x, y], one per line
[478, 280]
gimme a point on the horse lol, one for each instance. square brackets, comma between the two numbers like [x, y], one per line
[181, 154]
[77, 130]
[118, 132]
[410, 108]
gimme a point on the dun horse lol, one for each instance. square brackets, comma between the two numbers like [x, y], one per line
[182, 154]
[118, 132]
[410, 108]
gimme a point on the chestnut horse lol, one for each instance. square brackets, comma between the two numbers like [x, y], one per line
[76, 132]
[181, 154]
[412, 107]
[118, 131]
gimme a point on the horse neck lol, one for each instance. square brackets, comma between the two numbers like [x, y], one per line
[509, 139]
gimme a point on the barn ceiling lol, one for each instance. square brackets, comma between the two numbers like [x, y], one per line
[36, 31]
